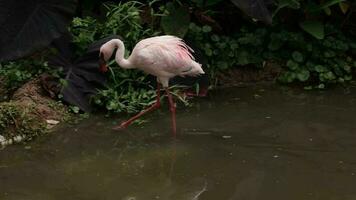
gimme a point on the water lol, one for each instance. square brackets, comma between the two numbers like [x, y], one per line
[259, 142]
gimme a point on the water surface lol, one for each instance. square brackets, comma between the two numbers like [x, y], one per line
[258, 142]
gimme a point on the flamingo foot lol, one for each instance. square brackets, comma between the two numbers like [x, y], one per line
[122, 126]
[126, 123]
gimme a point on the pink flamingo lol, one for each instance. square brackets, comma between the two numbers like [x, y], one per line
[162, 56]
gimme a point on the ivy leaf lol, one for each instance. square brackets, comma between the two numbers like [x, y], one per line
[320, 68]
[297, 56]
[314, 28]
[292, 65]
[321, 86]
[287, 77]
[303, 75]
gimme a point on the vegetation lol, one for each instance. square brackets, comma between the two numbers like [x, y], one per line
[15, 74]
[16, 120]
[305, 38]
[127, 90]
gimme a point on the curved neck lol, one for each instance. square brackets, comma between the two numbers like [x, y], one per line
[119, 57]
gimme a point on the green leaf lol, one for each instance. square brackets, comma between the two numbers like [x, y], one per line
[275, 44]
[203, 3]
[287, 77]
[292, 65]
[215, 38]
[303, 75]
[206, 29]
[344, 7]
[294, 4]
[309, 87]
[314, 28]
[320, 68]
[329, 75]
[348, 77]
[327, 11]
[321, 86]
[177, 21]
[297, 56]
[325, 5]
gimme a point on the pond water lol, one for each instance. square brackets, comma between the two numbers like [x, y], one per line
[256, 142]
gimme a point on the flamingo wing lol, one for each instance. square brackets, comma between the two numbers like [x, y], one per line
[164, 54]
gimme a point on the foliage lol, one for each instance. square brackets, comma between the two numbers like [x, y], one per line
[15, 120]
[17, 73]
[126, 90]
[121, 19]
[314, 13]
[224, 52]
[316, 63]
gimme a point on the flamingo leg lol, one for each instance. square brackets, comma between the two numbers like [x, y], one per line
[172, 108]
[155, 106]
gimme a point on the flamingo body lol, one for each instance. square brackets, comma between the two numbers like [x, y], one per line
[162, 56]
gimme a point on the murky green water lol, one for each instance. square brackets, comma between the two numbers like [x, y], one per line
[259, 142]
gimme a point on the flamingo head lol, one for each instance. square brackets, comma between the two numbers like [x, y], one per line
[106, 51]
[102, 62]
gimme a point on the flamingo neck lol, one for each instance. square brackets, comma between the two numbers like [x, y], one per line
[119, 57]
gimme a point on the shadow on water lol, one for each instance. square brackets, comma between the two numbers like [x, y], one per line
[260, 142]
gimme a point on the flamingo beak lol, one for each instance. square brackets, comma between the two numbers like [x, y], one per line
[102, 63]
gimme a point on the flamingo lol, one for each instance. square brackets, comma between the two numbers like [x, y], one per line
[162, 56]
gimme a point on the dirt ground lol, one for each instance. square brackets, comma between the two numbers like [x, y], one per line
[30, 112]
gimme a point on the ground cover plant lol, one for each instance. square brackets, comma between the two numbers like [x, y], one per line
[306, 38]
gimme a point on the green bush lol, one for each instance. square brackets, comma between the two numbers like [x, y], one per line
[16, 73]
[314, 62]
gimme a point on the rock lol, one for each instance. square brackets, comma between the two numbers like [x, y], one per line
[18, 138]
[52, 122]
[2, 139]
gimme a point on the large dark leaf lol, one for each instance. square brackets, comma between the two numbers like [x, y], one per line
[29, 25]
[177, 21]
[83, 78]
[256, 9]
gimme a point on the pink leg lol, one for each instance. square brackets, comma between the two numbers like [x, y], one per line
[156, 105]
[172, 108]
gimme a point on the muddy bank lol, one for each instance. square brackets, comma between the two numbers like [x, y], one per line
[30, 112]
